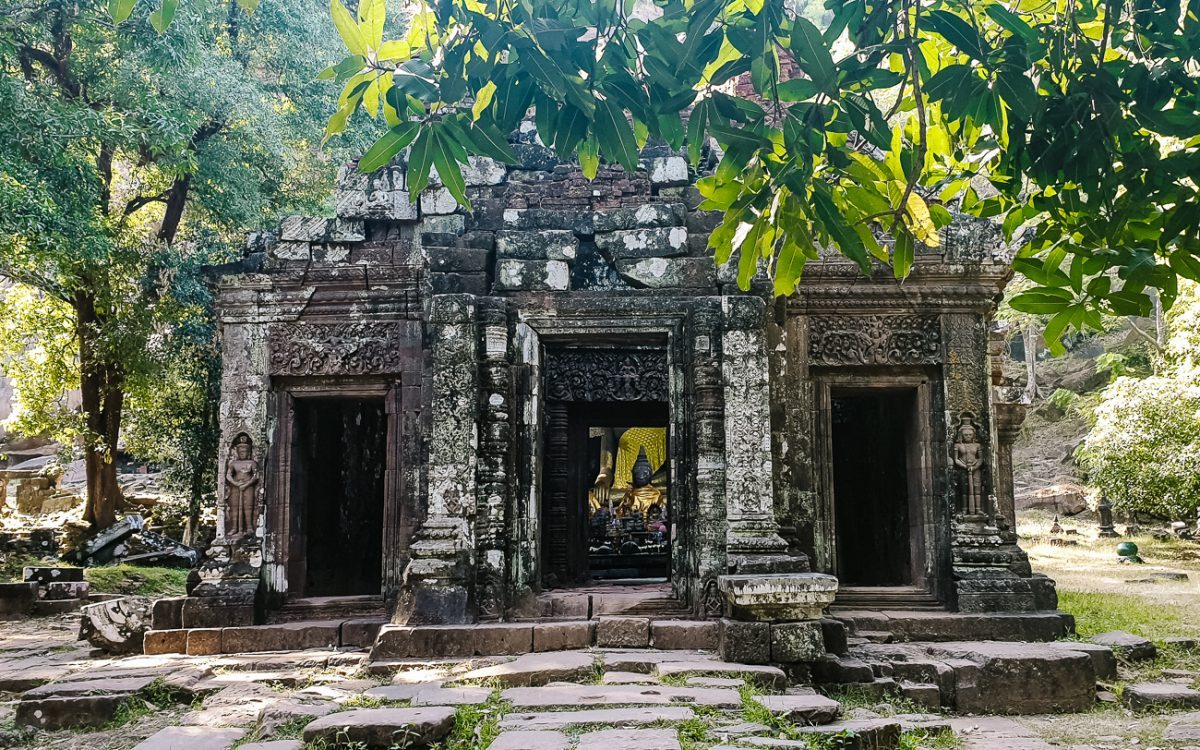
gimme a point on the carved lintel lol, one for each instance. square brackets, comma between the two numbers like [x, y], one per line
[606, 375]
[874, 340]
[337, 348]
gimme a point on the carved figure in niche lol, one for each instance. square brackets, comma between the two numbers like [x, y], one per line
[641, 495]
[241, 488]
[968, 457]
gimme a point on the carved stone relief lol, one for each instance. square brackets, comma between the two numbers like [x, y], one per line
[336, 348]
[242, 477]
[614, 375]
[874, 340]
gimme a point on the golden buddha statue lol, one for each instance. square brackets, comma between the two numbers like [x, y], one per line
[641, 494]
[616, 462]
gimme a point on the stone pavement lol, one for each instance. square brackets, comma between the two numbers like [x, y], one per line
[60, 698]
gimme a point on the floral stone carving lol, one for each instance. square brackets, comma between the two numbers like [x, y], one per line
[874, 340]
[336, 349]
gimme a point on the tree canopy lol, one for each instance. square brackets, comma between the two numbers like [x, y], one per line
[1072, 122]
[133, 154]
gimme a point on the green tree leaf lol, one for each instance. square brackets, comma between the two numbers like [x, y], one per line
[615, 135]
[161, 18]
[812, 54]
[352, 36]
[120, 10]
[386, 148]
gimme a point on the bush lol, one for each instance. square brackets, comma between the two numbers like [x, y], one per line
[1144, 446]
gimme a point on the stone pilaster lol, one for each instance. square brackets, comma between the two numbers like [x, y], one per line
[749, 489]
[437, 581]
[708, 412]
[495, 460]
[1009, 418]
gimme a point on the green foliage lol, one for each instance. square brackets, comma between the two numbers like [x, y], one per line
[146, 702]
[138, 581]
[476, 726]
[1063, 399]
[1097, 613]
[1077, 130]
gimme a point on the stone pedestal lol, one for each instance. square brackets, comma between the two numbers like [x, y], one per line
[229, 592]
[777, 597]
[991, 573]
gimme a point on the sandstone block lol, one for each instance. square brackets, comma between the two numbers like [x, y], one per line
[165, 642]
[64, 712]
[669, 273]
[646, 216]
[745, 642]
[835, 634]
[661, 242]
[548, 244]
[273, 745]
[477, 172]
[630, 739]
[17, 599]
[668, 171]
[574, 220]
[63, 590]
[405, 642]
[438, 200]
[597, 717]
[563, 636]
[282, 637]
[204, 641]
[361, 633]
[1127, 645]
[538, 669]
[924, 694]
[1019, 678]
[167, 614]
[457, 259]
[685, 634]
[43, 574]
[192, 738]
[778, 596]
[452, 224]
[801, 709]
[378, 728]
[309, 229]
[532, 276]
[1103, 659]
[594, 696]
[765, 676]
[793, 642]
[117, 626]
[623, 632]
[531, 740]
[502, 639]
[1155, 695]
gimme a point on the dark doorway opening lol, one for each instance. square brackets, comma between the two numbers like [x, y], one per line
[875, 488]
[607, 510]
[339, 457]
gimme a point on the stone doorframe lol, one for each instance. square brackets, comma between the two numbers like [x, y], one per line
[923, 453]
[534, 333]
[284, 529]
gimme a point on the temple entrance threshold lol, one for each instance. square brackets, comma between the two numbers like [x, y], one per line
[876, 487]
[607, 515]
[338, 463]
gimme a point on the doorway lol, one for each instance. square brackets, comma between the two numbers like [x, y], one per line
[876, 467]
[607, 515]
[339, 459]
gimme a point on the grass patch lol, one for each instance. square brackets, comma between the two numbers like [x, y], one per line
[922, 739]
[1097, 613]
[476, 726]
[369, 701]
[154, 698]
[137, 581]
[12, 565]
[694, 734]
[891, 705]
[292, 729]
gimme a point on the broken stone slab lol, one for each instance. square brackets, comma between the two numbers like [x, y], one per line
[452, 696]
[532, 670]
[778, 597]
[1018, 678]
[645, 216]
[275, 715]
[192, 738]
[548, 244]
[628, 678]
[1183, 729]
[627, 717]
[117, 626]
[646, 661]
[101, 547]
[863, 734]
[766, 677]
[1182, 643]
[801, 709]
[63, 590]
[1103, 659]
[1127, 645]
[383, 727]
[1148, 695]
[565, 696]
[630, 739]
[398, 692]
[119, 685]
[717, 682]
[532, 740]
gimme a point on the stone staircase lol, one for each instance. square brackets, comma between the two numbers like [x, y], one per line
[329, 608]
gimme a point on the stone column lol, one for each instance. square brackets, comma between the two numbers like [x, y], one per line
[495, 458]
[749, 490]
[1009, 417]
[437, 581]
[708, 414]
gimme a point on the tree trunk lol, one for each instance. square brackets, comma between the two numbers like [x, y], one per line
[102, 398]
[1030, 336]
[176, 201]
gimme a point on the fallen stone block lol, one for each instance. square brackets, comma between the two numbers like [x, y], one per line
[380, 728]
[191, 738]
[117, 626]
[801, 709]
[65, 712]
[1148, 695]
[1127, 645]
[1020, 678]
[48, 574]
[629, 717]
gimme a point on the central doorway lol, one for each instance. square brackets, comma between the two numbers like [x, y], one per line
[338, 468]
[876, 467]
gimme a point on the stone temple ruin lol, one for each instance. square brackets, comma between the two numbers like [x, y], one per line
[557, 407]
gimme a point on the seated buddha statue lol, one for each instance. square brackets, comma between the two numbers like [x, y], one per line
[619, 449]
[641, 494]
